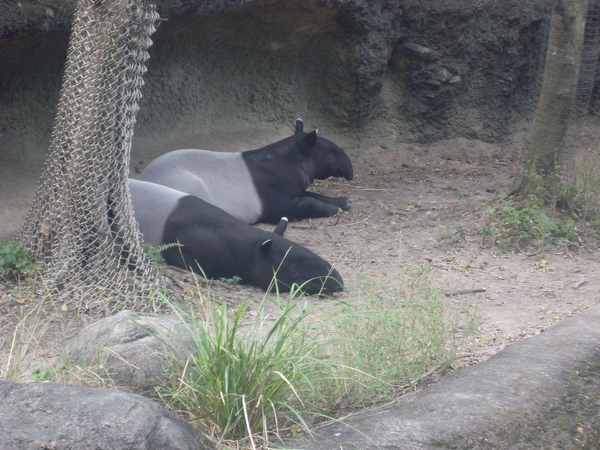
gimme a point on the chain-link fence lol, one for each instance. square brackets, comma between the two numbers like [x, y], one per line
[571, 119]
[590, 63]
[81, 227]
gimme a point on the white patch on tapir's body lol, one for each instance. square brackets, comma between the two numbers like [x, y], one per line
[219, 178]
[152, 211]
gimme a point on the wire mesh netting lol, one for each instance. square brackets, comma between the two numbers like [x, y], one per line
[590, 63]
[570, 61]
[81, 228]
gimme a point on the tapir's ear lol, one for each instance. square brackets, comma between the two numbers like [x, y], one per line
[308, 141]
[299, 126]
[266, 246]
[281, 226]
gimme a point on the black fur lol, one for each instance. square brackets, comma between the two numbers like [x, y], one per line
[259, 185]
[283, 171]
[217, 245]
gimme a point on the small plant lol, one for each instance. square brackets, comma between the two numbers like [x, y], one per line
[455, 233]
[240, 381]
[510, 222]
[154, 253]
[233, 281]
[14, 260]
[42, 373]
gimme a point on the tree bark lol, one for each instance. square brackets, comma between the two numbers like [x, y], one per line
[555, 103]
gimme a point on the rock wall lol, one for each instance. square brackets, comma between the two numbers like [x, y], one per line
[362, 70]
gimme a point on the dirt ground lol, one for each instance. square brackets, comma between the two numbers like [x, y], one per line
[428, 211]
[423, 206]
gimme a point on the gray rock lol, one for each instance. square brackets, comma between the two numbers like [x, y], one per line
[123, 348]
[455, 79]
[541, 392]
[425, 53]
[68, 417]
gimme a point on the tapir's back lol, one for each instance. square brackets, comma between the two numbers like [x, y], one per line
[153, 205]
[220, 178]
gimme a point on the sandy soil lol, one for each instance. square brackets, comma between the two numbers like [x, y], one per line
[423, 206]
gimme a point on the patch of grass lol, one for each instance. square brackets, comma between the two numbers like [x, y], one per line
[385, 340]
[40, 327]
[248, 378]
[252, 375]
[237, 382]
[574, 192]
[512, 221]
[20, 353]
[14, 260]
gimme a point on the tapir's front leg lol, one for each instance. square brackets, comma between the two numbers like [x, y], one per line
[341, 202]
[309, 207]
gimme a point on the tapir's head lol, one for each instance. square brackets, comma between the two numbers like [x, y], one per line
[325, 157]
[291, 264]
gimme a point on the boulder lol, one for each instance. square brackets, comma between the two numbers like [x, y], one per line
[63, 416]
[123, 348]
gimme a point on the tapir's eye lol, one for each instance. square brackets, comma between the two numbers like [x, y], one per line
[293, 268]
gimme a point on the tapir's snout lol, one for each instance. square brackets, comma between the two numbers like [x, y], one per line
[326, 285]
[349, 174]
[346, 169]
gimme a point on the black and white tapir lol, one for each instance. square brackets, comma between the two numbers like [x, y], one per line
[217, 245]
[260, 185]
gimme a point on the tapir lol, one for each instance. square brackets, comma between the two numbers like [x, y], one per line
[217, 245]
[259, 185]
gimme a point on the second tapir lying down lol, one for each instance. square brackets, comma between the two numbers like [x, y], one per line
[260, 185]
[217, 245]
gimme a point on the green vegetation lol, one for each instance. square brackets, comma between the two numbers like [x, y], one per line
[384, 340]
[154, 254]
[258, 373]
[26, 341]
[237, 379]
[512, 222]
[250, 378]
[562, 209]
[233, 281]
[14, 260]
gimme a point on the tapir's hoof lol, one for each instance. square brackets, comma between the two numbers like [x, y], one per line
[347, 204]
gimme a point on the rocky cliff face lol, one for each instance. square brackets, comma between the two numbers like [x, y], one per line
[390, 71]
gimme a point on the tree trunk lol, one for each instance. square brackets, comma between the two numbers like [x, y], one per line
[555, 103]
[81, 228]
